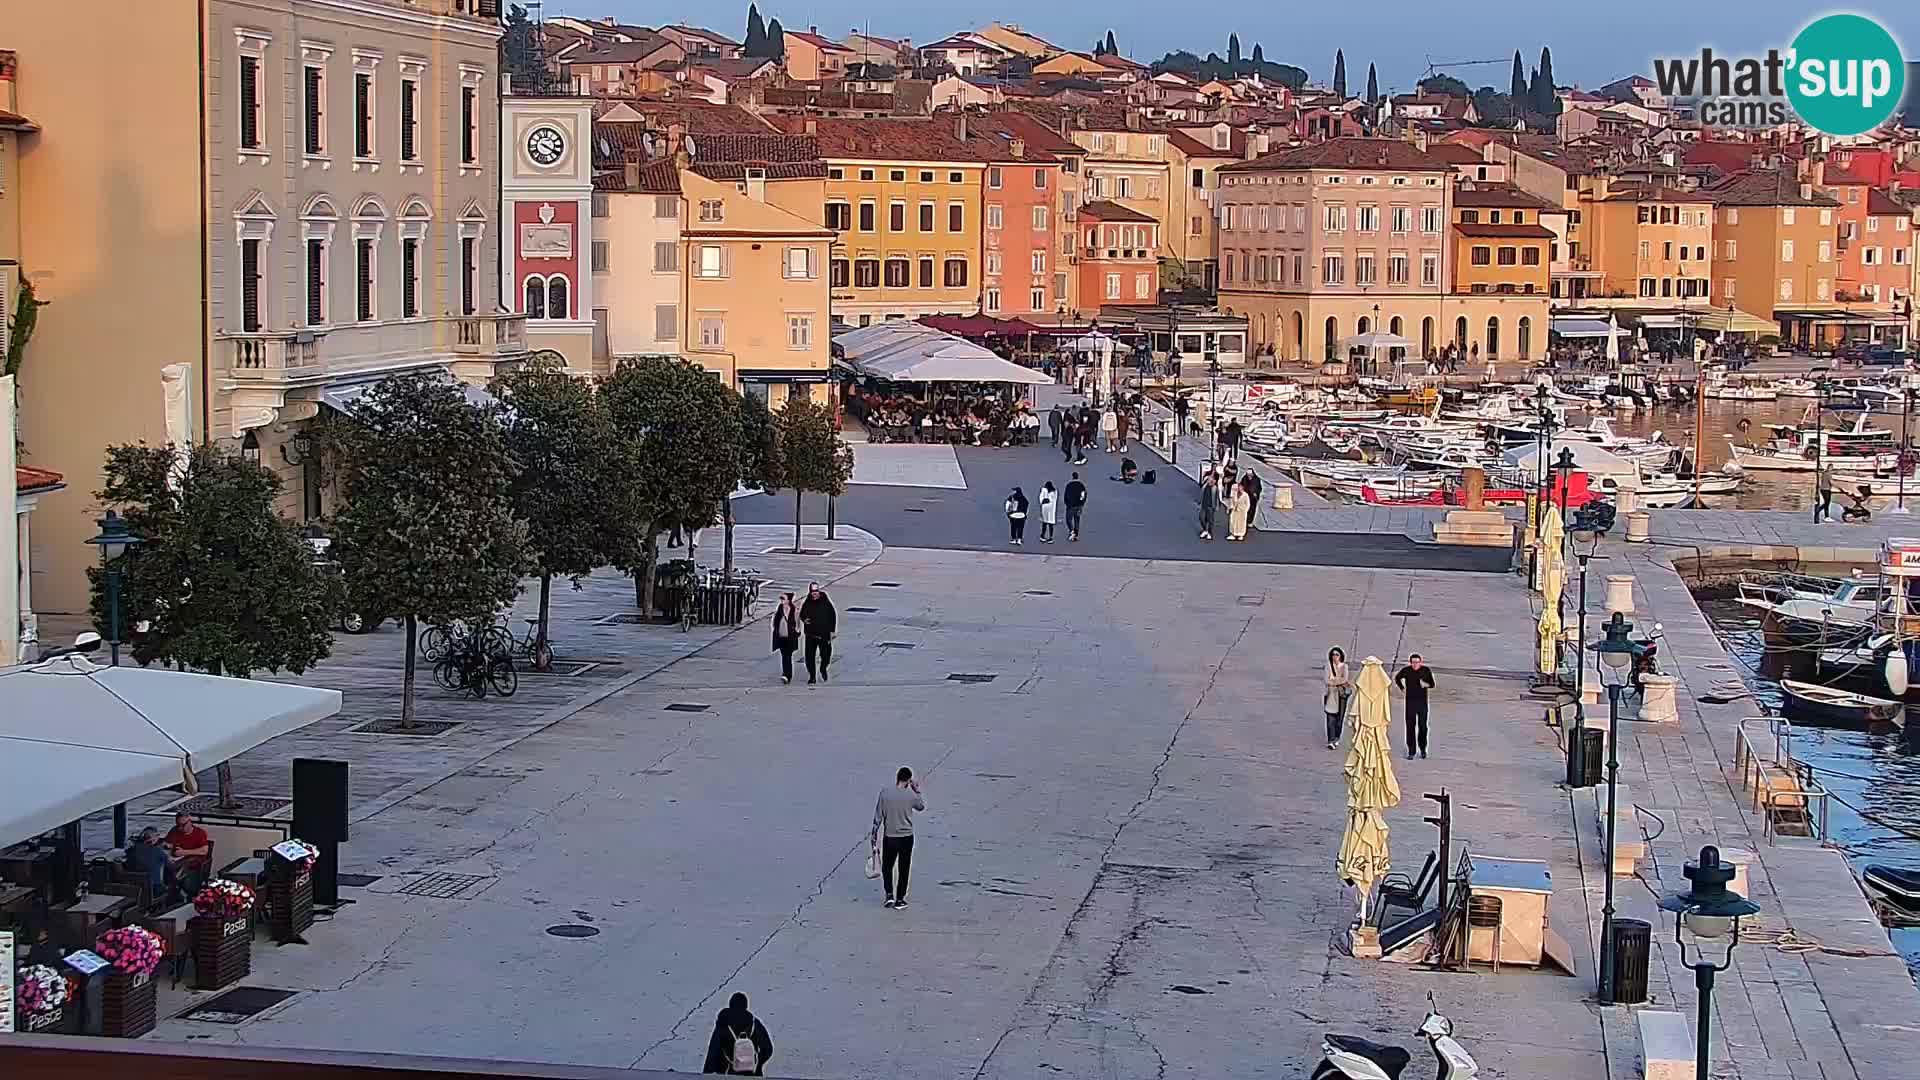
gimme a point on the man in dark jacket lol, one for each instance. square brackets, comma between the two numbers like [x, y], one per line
[1076, 498]
[1415, 680]
[732, 1025]
[1053, 425]
[818, 619]
[1252, 483]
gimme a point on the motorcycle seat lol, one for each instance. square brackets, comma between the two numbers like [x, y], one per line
[1392, 1059]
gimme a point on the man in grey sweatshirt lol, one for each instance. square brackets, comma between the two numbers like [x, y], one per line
[893, 827]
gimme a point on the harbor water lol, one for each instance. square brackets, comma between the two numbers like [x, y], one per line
[1874, 776]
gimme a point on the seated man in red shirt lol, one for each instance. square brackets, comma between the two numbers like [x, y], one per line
[191, 847]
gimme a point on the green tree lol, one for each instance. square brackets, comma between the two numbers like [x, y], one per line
[1340, 72]
[760, 464]
[26, 314]
[776, 40]
[1518, 89]
[1373, 86]
[679, 430]
[1109, 47]
[1258, 57]
[813, 455]
[523, 55]
[426, 528]
[1444, 84]
[222, 583]
[756, 43]
[1233, 48]
[1545, 101]
[563, 451]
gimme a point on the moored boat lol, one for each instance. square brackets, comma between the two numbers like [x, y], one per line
[1826, 705]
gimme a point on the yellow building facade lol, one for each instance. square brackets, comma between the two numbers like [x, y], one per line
[1652, 243]
[1773, 244]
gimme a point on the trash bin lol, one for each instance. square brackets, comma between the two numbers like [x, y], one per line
[1632, 949]
[1588, 758]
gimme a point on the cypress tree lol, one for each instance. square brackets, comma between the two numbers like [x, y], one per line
[1340, 72]
[1233, 49]
[1518, 90]
[1545, 101]
[1111, 48]
[1260, 58]
[776, 40]
[1373, 87]
[756, 43]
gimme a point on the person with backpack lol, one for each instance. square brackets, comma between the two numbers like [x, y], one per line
[740, 1045]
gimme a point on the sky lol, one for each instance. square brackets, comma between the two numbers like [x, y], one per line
[1592, 43]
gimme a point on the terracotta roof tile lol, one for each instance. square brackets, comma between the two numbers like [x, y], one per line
[818, 42]
[1482, 194]
[16, 121]
[698, 117]
[1193, 147]
[1454, 153]
[1655, 193]
[1879, 202]
[1767, 187]
[1107, 210]
[621, 52]
[780, 157]
[892, 139]
[28, 478]
[1516, 232]
[1346, 153]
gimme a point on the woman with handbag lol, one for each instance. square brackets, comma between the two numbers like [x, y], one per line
[1339, 687]
[786, 635]
[1017, 515]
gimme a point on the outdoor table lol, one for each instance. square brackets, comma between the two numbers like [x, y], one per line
[15, 899]
[99, 905]
[247, 872]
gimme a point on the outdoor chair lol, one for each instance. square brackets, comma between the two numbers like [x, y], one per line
[1483, 913]
[1397, 891]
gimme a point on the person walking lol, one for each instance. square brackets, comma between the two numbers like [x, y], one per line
[819, 621]
[1252, 483]
[786, 635]
[1239, 506]
[1053, 424]
[1017, 515]
[1109, 428]
[1209, 490]
[1123, 418]
[1076, 499]
[1231, 436]
[1069, 435]
[1339, 688]
[1180, 407]
[1824, 509]
[893, 828]
[1049, 509]
[740, 1045]
[1415, 680]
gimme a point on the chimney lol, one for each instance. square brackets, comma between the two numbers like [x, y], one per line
[1017, 147]
[960, 126]
[633, 175]
[1253, 148]
[1263, 141]
[813, 126]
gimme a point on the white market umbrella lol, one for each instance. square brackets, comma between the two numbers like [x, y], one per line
[1613, 339]
[1551, 580]
[1371, 786]
[76, 737]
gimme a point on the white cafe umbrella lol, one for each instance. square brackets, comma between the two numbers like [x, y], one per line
[1613, 340]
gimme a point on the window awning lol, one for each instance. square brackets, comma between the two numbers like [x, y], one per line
[1584, 328]
[342, 396]
[909, 352]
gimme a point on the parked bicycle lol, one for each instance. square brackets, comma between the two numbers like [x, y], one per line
[476, 662]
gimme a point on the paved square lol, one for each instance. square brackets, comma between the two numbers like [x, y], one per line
[1125, 869]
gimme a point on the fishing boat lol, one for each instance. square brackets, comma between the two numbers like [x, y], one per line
[1826, 705]
[1897, 885]
[1821, 612]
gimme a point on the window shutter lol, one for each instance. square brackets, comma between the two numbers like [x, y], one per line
[363, 279]
[467, 152]
[466, 274]
[313, 110]
[249, 101]
[409, 287]
[316, 282]
[408, 91]
[362, 115]
[250, 286]
[666, 322]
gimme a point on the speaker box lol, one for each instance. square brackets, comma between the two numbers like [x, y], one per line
[319, 800]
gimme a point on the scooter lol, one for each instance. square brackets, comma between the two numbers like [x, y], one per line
[1355, 1058]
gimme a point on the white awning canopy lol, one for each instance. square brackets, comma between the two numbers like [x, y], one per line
[1587, 457]
[1377, 339]
[76, 737]
[1585, 328]
[909, 352]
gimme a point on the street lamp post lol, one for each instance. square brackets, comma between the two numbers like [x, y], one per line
[1709, 910]
[114, 540]
[1173, 370]
[1819, 446]
[1616, 657]
[1213, 406]
[1904, 461]
[1586, 540]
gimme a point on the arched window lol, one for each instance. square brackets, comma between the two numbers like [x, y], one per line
[1526, 338]
[1493, 336]
[536, 297]
[1299, 337]
[1398, 352]
[1333, 339]
[557, 297]
[1426, 336]
[1460, 333]
[547, 296]
[1366, 324]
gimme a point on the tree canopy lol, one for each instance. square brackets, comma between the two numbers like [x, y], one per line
[776, 48]
[1213, 67]
[1340, 72]
[813, 455]
[756, 40]
[223, 583]
[1444, 84]
[1373, 86]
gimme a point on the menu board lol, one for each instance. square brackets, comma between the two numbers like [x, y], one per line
[290, 850]
[6, 981]
[86, 961]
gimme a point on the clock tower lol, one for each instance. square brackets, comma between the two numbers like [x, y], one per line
[546, 192]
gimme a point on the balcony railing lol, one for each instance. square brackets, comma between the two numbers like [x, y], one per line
[489, 335]
[261, 357]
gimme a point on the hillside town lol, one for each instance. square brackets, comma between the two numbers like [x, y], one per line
[497, 489]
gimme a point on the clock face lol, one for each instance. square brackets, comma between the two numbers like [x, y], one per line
[545, 145]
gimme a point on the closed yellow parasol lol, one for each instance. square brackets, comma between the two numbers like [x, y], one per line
[1371, 785]
[1552, 581]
